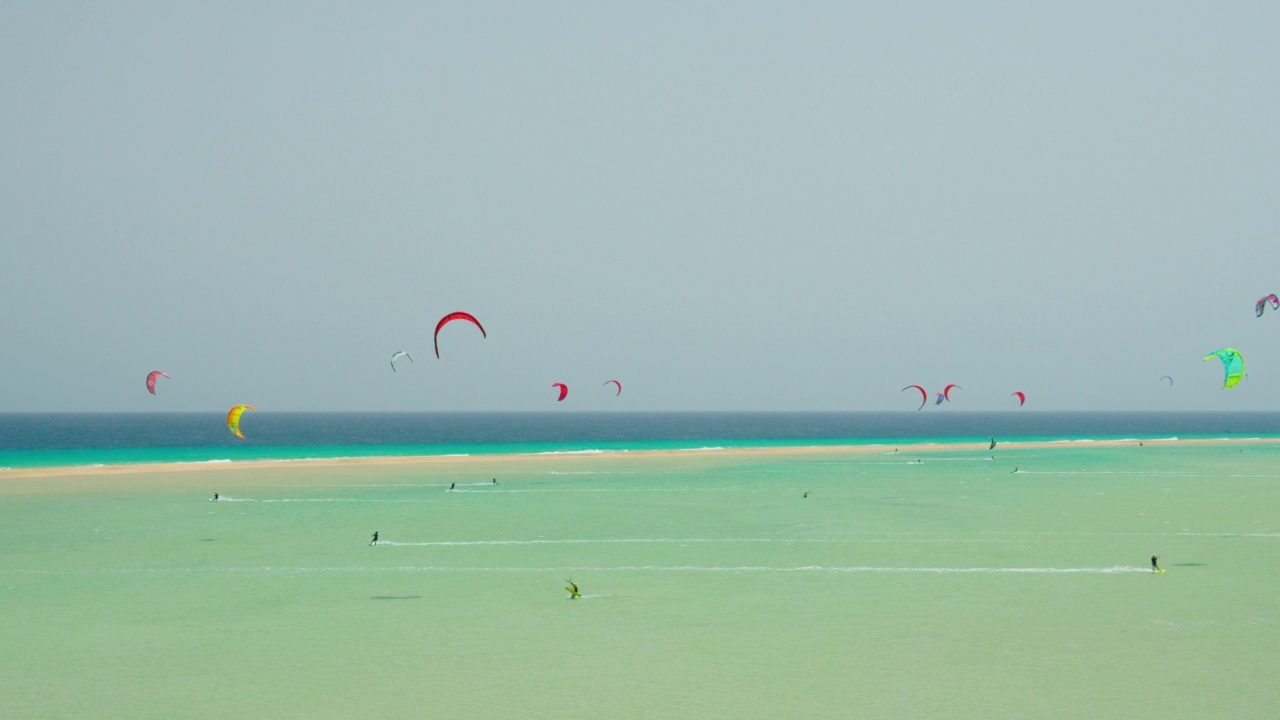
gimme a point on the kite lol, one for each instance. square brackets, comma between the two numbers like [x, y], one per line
[938, 400]
[615, 382]
[946, 391]
[1262, 304]
[924, 394]
[450, 318]
[992, 446]
[1166, 377]
[1232, 366]
[396, 355]
[1022, 397]
[564, 390]
[151, 380]
[233, 419]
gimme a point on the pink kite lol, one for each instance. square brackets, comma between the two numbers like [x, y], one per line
[450, 318]
[946, 392]
[1022, 397]
[151, 380]
[924, 394]
[615, 382]
[564, 391]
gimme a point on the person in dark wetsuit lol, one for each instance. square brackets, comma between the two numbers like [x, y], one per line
[451, 486]
[374, 541]
[215, 497]
[1155, 566]
[495, 481]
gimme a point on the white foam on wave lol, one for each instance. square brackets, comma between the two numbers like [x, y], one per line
[576, 452]
[216, 461]
[607, 541]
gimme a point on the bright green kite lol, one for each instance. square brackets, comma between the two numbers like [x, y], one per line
[1232, 365]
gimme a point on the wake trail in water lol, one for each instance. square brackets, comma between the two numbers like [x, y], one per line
[829, 569]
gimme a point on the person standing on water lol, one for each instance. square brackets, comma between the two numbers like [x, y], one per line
[1155, 566]
[374, 541]
[215, 497]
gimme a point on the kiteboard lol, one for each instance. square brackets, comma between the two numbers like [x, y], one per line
[1158, 570]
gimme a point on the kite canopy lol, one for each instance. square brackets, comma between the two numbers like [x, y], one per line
[396, 356]
[924, 394]
[1166, 377]
[938, 400]
[1232, 365]
[1022, 397]
[615, 382]
[151, 380]
[233, 419]
[1262, 304]
[946, 391]
[456, 316]
[564, 391]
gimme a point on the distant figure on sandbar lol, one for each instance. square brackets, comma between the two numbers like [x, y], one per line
[215, 497]
[374, 541]
[1155, 565]
[572, 587]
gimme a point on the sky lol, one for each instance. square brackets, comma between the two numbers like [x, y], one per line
[725, 206]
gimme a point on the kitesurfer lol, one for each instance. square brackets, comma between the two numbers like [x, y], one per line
[572, 587]
[452, 486]
[374, 541]
[495, 481]
[215, 497]
[806, 493]
[1155, 566]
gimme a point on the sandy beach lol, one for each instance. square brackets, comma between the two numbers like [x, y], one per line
[135, 474]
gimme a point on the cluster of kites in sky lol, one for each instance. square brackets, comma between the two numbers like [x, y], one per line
[1232, 365]
[233, 416]
[945, 395]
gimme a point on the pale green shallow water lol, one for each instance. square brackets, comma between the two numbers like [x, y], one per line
[713, 589]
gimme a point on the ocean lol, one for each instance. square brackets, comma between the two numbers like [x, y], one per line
[52, 439]
[914, 573]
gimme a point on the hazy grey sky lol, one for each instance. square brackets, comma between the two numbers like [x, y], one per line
[726, 206]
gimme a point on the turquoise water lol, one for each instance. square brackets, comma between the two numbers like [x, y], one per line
[46, 440]
[712, 587]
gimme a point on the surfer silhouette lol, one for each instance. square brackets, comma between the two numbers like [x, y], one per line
[215, 497]
[495, 481]
[452, 485]
[374, 541]
[1155, 565]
